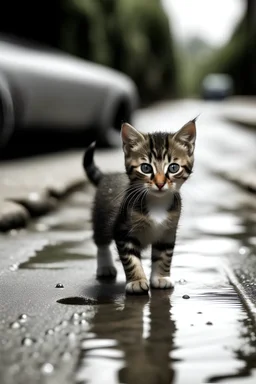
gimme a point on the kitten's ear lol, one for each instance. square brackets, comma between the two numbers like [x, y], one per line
[187, 135]
[130, 136]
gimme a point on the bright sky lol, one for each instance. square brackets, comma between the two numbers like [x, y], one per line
[213, 20]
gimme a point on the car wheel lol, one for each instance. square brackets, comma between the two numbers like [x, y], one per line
[6, 114]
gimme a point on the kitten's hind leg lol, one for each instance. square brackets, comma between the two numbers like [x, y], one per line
[105, 264]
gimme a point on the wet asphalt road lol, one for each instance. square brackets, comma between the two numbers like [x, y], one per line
[89, 332]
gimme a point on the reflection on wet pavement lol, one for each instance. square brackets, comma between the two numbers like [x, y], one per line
[131, 342]
[165, 338]
[58, 256]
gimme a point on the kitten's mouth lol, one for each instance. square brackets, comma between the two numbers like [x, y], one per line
[158, 192]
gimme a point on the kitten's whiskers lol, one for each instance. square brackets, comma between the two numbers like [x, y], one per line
[129, 197]
[137, 198]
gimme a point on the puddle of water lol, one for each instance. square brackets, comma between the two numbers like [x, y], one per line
[59, 256]
[77, 300]
[221, 224]
[206, 245]
[164, 338]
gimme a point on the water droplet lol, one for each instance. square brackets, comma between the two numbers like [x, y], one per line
[47, 369]
[182, 281]
[83, 314]
[83, 322]
[110, 190]
[72, 336]
[75, 316]
[186, 297]
[49, 332]
[191, 325]
[15, 325]
[64, 323]
[244, 251]
[75, 322]
[23, 318]
[199, 313]
[57, 328]
[13, 267]
[66, 356]
[27, 341]
[209, 323]
[59, 285]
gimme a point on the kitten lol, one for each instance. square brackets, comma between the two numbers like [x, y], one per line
[142, 206]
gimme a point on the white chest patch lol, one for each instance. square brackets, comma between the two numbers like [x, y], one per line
[157, 215]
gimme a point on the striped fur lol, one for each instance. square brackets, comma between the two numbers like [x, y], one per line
[141, 207]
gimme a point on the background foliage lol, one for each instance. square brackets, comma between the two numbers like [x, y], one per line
[135, 37]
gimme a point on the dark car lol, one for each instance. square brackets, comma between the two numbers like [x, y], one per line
[217, 86]
[50, 90]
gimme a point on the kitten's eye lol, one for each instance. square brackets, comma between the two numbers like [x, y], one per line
[146, 168]
[173, 168]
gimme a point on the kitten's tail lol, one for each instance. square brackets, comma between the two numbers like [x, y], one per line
[92, 171]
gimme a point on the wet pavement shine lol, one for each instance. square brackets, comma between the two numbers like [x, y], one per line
[60, 325]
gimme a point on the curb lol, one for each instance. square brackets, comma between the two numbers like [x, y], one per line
[241, 291]
[17, 213]
[250, 124]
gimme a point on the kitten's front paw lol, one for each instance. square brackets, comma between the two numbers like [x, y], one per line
[106, 272]
[161, 282]
[137, 287]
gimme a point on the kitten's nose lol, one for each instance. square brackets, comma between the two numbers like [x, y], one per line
[160, 185]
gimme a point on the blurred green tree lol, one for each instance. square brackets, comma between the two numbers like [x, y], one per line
[129, 35]
[238, 57]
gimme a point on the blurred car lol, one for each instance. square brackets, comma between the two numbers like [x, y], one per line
[217, 86]
[42, 88]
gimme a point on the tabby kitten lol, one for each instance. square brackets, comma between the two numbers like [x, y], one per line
[142, 206]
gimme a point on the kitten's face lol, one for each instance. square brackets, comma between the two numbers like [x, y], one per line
[159, 162]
